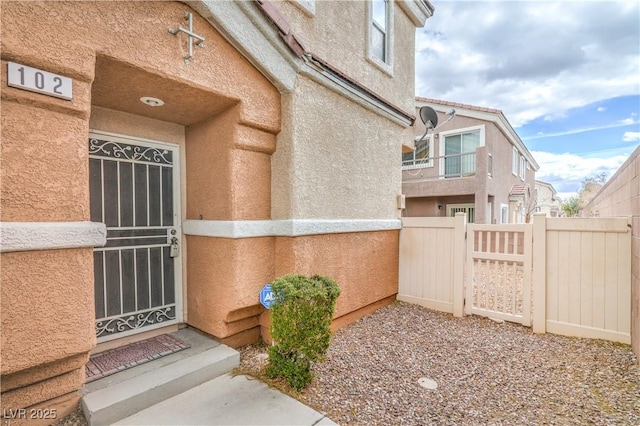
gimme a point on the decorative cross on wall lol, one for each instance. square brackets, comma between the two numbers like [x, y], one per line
[189, 31]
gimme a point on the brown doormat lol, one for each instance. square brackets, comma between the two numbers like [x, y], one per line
[115, 360]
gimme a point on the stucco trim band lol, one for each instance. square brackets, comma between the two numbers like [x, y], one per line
[283, 228]
[26, 236]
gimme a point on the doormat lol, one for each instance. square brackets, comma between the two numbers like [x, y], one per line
[113, 361]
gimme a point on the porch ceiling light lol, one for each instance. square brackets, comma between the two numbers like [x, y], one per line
[152, 102]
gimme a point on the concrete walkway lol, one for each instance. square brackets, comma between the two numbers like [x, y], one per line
[229, 400]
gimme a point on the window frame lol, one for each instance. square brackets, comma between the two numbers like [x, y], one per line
[423, 164]
[504, 213]
[386, 64]
[515, 161]
[442, 137]
[523, 168]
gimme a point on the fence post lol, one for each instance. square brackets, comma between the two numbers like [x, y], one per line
[459, 250]
[468, 268]
[539, 273]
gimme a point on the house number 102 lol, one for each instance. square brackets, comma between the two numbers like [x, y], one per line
[39, 81]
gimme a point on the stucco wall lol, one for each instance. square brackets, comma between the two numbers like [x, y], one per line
[621, 197]
[337, 34]
[47, 323]
[229, 169]
[365, 266]
[115, 52]
[334, 159]
[224, 286]
[44, 169]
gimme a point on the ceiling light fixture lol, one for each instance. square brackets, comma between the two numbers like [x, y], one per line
[152, 102]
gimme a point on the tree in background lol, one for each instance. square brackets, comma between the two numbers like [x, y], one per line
[590, 187]
[571, 207]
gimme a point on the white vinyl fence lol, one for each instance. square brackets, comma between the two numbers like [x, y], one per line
[586, 287]
[431, 271]
[561, 275]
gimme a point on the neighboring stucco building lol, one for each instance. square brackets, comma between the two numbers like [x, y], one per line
[547, 200]
[149, 183]
[475, 163]
[620, 196]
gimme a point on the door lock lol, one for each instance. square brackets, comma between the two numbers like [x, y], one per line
[175, 249]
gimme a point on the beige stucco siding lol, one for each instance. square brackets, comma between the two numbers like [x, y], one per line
[337, 33]
[334, 159]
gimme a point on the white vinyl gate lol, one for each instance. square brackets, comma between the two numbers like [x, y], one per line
[498, 272]
[569, 276]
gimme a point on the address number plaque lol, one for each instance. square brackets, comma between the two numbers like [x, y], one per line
[39, 81]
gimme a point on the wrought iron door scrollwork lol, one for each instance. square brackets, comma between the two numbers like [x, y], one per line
[129, 152]
[135, 321]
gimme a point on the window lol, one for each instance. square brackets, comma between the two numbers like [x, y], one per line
[514, 162]
[460, 153]
[523, 167]
[380, 31]
[421, 157]
[504, 213]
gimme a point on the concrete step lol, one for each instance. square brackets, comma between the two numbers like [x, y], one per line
[229, 400]
[118, 399]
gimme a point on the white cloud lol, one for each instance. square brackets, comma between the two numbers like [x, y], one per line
[529, 59]
[631, 136]
[567, 171]
[601, 109]
[620, 123]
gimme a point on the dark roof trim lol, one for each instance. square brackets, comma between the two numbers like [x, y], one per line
[271, 11]
[459, 105]
[361, 89]
[429, 6]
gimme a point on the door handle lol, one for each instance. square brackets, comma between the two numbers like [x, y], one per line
[175, 248]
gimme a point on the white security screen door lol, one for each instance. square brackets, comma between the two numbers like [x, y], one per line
[134, 189]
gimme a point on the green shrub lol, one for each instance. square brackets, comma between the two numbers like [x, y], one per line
[301, 315]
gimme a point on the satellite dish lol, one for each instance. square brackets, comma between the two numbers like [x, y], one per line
[429, 117]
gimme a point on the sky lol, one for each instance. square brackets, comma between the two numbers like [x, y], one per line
[566, 74]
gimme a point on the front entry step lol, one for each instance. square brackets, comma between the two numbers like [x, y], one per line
[117, 399]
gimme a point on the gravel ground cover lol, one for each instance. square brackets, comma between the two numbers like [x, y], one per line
[74, 419]
[486, 373]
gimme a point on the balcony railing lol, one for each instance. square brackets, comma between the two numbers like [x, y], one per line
[448, 166]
